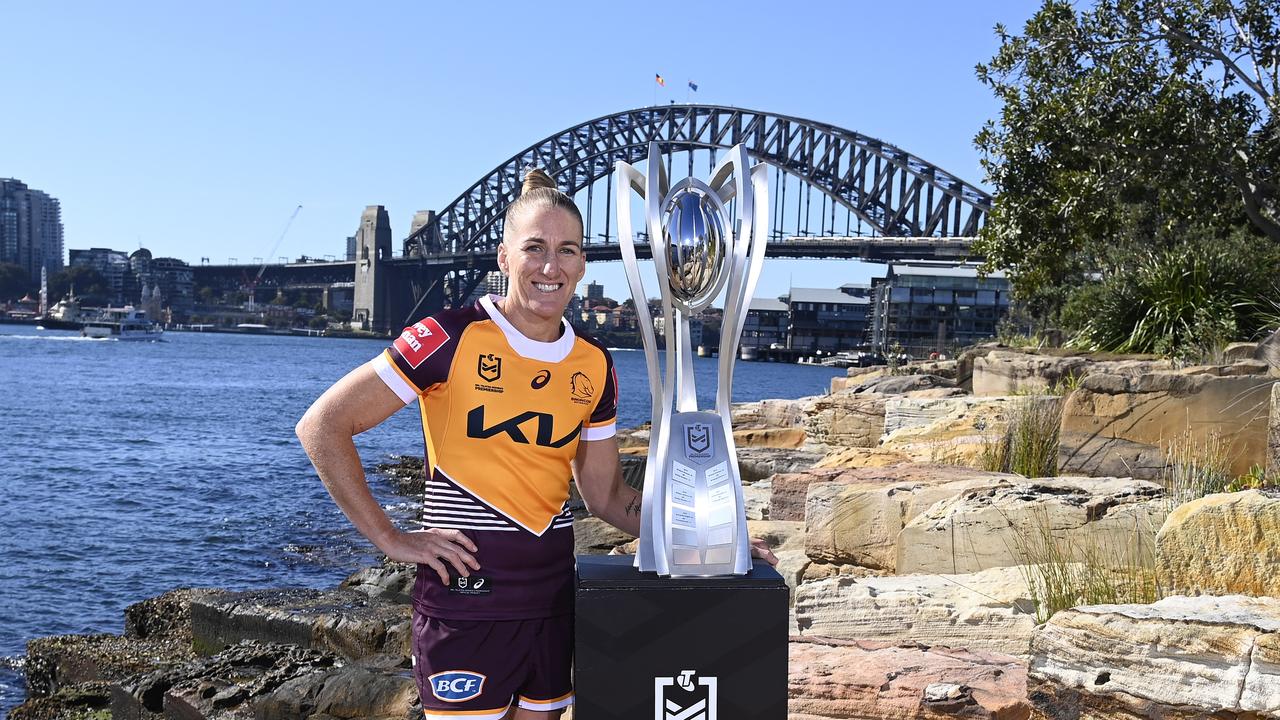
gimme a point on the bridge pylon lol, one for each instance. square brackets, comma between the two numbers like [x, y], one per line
[372, 299]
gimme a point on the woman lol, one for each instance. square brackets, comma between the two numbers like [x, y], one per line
[512, 401]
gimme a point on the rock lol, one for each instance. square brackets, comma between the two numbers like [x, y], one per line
[767, 414]
[988, 610]
[954, 431]
[223, 685]
[1149, 409]
[755, 499]
[756, 464]
[1222, 544]
[85, 701]
[902, 384]
[405, 474]
[1180, 657]
[857, 516]
[1239, 351]
[845, 419]
[343, 621]
[1273, 433]
[985, 527]
[593, 536]
[788, 437]
[166, 616]
[390, 581]
[1003, 372]
[852, 458]
[832, 679]
[1269, 351]
[61, 661]
[780, 534]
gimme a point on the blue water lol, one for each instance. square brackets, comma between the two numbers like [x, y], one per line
[129, 469]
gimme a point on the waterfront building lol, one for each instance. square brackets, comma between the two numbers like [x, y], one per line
[114, 267]
[595, 293]
[926, 309]
[828, 319]
[127, 275]
[30, 228]
[766, 324]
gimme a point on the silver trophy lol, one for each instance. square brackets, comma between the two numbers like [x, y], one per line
[692, 521]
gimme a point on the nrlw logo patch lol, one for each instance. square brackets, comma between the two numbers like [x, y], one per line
[456, 685]
[489, 367]
[419, 342]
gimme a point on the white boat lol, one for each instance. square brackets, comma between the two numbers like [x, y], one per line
[126, 323]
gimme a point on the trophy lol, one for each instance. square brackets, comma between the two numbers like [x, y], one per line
[692, 518]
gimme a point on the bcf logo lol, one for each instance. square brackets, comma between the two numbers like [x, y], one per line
[456, 685]
[678, 698]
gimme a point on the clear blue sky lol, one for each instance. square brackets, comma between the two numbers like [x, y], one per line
[195, 129]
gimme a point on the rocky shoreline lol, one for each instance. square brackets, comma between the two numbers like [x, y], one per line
[927, 579]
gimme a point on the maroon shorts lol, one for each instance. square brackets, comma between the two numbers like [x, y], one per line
[476, 669]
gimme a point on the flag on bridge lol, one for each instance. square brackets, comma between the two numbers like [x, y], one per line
[661, 82]
[693, 86]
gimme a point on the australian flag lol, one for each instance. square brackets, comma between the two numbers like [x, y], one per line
[693, 86]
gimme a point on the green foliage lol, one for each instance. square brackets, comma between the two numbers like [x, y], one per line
[14, 282]
[91, 287]
[1029, 447]
[1185, 301]
[1122, 125]
[1195, 467]
[1257, 478]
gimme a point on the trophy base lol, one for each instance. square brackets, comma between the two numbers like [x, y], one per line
[649, 647]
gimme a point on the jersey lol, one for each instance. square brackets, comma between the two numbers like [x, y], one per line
[502, 416]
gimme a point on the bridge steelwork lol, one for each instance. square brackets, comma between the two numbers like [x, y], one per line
[894, 197]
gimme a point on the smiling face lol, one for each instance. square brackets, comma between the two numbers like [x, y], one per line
[541, 252]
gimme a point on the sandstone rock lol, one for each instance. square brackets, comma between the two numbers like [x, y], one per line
[780, 534]
[166, 616]
[390, 581]
[984, 527]
[344, 621]
[62, 661]
[223, 685]
[1269, 351]
[902, 384]
[1273, 433]
[786, 437]
[1239, 351]
[852, 458]
[833, 680]
[989, 610]
[845, 419]
[857, 516]
[756, 464]
[1180, 657]
[954, 431]
[1003, 372]
[1222, 544]
[1152, 408]
[767, 413]
[593, 536]
[755, 499]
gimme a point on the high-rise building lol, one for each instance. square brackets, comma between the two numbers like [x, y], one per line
[30, 228]
[113, 266]
[928, 309]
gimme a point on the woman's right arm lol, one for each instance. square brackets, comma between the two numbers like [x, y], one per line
[352, 405]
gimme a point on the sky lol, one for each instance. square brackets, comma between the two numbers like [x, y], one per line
[196, 129]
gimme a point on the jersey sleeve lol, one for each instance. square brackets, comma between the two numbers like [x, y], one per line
[418, 359]
[603, 421]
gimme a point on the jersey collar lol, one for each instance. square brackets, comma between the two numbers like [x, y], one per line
[553, 351]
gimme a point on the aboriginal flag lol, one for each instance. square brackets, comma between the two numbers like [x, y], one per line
[658, 78]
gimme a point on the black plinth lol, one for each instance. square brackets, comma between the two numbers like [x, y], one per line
[636, 633]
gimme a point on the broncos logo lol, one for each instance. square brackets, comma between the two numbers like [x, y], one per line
[581, 386]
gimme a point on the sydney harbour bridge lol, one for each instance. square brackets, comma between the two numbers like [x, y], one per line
[835, 193]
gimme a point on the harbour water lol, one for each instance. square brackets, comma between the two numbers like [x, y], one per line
[131, 468]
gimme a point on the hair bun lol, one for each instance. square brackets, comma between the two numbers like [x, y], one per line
[535, 179]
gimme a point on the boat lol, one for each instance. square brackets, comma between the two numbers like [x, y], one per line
[64, 315]
[126, 323]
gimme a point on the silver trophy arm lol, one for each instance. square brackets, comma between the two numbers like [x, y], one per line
[660, 431]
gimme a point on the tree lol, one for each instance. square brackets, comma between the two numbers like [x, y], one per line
[1125, 126]
[91, 287]
[14, 282]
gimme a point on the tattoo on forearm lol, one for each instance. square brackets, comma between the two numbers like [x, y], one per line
[632, 508]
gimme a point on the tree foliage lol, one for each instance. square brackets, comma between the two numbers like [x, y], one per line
[14, 282]
[90, 286]
[1126, 125]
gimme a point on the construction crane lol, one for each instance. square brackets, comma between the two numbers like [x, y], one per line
[252, 285]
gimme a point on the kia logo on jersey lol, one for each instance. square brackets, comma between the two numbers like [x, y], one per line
[489, 367]
[540, 380]
[456, 685]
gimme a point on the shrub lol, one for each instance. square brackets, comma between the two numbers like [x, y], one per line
[1029, 447]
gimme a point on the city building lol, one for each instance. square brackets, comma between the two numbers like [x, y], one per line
[129, 276]
[926, 309]
[113, 266]
[595, 293]
[766, 324]
[828, 319]
[30, 228]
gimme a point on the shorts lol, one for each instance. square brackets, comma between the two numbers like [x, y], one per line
[476, 669]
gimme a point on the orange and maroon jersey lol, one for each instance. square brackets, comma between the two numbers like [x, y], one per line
[502, 416]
